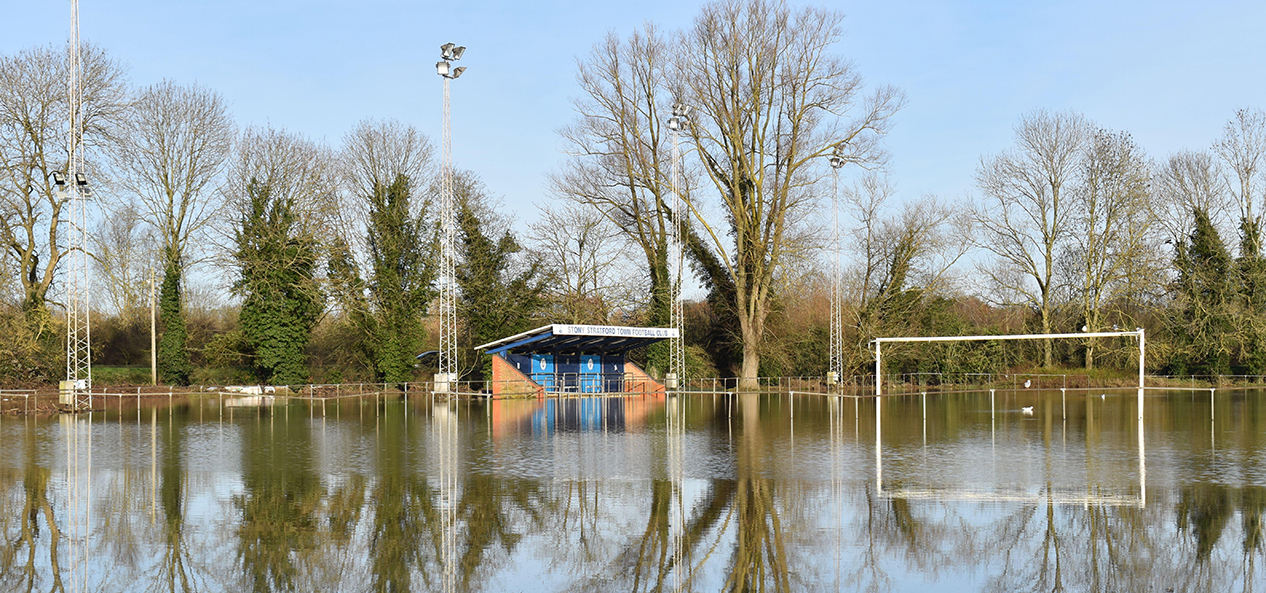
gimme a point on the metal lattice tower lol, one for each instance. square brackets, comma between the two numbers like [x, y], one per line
[448, 231]
[837, 289]
[677, 349]
[78, 324]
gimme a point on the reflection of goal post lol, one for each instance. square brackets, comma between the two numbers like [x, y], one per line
[878, 342]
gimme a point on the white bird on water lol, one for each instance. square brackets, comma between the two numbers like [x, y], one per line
[1027, 410]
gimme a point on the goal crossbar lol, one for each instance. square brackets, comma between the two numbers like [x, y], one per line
[878, 342]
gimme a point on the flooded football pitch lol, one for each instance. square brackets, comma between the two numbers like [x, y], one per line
[1021, 490]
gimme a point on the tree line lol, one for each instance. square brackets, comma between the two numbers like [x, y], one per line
[330, 251]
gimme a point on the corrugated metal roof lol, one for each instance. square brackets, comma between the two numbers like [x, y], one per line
[593, 339]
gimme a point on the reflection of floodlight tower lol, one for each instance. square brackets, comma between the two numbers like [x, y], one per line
[448, 234]
[676, 346]
[73, 187]
[836, 367]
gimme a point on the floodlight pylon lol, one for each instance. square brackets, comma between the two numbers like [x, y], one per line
[448, 235]
[676, 345]
[836, 355]
[78, 322]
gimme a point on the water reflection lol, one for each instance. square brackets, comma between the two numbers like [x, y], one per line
[695, 493]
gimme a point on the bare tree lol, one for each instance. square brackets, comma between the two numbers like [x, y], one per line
[1243, 151]
[122, 258]
[1026, 214]
[372, 156]
[293, 168]
[175, 145]
[34, 142]
[1111, 223]
[621, 151]
[376, 152]
[914, 248]
[771, 100]
[1187, 182]
[583, 252]
[176, 141]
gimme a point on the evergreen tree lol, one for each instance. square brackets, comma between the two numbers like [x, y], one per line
[404, 270]
[1251, 268]
[173, 357]
[348, 291]
[1206, 287]
[499, 296]
[276, 259]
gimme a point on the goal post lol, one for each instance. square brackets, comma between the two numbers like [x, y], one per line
[878, 342]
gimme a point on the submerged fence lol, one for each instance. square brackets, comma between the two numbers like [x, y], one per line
[25, 401]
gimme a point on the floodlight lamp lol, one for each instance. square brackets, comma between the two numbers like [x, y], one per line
[441, 68]
[59, 178]
[674, 124]
[458, 51]
[681, 109]
[446, 51]
[836, 161]
[458, 71]
[81, 179]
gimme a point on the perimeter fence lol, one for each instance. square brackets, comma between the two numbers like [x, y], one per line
[26, 401]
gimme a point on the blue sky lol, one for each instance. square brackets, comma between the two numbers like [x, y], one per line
[1171, 73]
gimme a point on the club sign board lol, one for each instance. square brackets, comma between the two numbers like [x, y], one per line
[614, 331]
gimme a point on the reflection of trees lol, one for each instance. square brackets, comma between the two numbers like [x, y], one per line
[404, 512]
[645, 562]
[1054, 546]
[1204, 510]
[343, 510]
[279, 504]
[119, 506]
[895, 526]
[485, 506]
[1252, 506]
[174, 570]
[35, 506]
[1203, 513]
[759, 553]
[11, 500]
[494, 510]
[760, 556]
[379, 529]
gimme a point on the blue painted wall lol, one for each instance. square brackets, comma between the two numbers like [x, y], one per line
[583, 373]
[543, 370]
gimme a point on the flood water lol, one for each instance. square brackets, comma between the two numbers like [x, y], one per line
[774, 492]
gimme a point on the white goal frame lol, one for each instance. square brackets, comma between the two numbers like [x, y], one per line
[878, 342]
